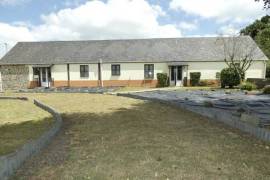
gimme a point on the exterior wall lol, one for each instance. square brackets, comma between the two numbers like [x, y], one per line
[59, 75]
[209, 69]
[132, 71]
[132, 74]
[59, 72]
[14, 77]
[257, 70]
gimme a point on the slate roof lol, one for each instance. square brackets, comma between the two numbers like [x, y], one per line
[133, 50]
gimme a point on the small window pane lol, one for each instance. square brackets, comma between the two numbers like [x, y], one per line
[84, 71]
[149, 71]
[115, 69]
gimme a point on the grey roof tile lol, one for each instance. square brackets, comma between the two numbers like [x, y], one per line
[135, 50]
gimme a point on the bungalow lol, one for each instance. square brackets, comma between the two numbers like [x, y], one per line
[117, 62]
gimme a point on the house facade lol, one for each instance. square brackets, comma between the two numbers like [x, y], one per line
[117, 62]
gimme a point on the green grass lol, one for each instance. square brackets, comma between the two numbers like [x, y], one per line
[110, 137]
[20, 122]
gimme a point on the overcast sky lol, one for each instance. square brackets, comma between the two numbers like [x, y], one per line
[42, 20]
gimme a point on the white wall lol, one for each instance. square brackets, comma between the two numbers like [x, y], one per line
[59, 72]
[209, 69]
[257, 70]
[74, 70]
[135, 71]
[132, 71]
[30, 73]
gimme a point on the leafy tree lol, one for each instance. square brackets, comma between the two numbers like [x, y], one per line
[260, 32]
[266, 3]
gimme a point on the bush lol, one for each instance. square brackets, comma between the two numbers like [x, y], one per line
[268, 72]
[266, 89]
[248, 86]
[229, 77]
[163, 80]
[195, 78]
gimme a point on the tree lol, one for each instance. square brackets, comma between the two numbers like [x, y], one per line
[266, 3]
[238, 53]
[260, 32]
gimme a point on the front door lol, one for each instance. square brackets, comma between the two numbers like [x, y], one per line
[176, 76]
[45, 74]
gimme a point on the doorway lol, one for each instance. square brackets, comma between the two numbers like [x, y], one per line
[45, 76]
[176, 74]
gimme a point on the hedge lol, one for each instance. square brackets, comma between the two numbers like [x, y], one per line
[163, 80]
[229, 77]
[195, 78]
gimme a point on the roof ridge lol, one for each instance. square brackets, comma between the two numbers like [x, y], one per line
[139, 39]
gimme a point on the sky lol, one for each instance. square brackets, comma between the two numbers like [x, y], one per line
[47, 20]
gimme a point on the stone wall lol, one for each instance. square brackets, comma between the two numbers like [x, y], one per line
[14, 77]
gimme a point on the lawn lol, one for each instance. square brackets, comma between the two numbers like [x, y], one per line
[110, 137]
[20, 121]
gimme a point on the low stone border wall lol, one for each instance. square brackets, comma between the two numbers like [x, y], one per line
[9, 163]
[224, 116]
[14, 98]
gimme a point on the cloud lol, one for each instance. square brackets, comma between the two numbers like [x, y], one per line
[10, 34]
[13, 33]
[12, 2]
[237, 11]
[188, 25]
[229, 30]
[114, 19]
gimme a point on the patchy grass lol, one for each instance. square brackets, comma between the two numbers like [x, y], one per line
[20, 121]
[110, 137]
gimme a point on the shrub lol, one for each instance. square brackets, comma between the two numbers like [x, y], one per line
[195, 78]
[229, 77]
[268, 72]
[266, 89]
[248, 86]
[163, 80]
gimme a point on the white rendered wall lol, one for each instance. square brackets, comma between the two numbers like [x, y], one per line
[74, 70]
[132, 71]
[59, 72]
[209, 69]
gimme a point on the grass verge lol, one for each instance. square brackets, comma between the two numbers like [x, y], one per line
[110, 137]
[20, 122]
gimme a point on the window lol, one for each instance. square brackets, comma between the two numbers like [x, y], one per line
[115, 69]
[36, 71]
[84, 71]
[149, 71]
[218, 75]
